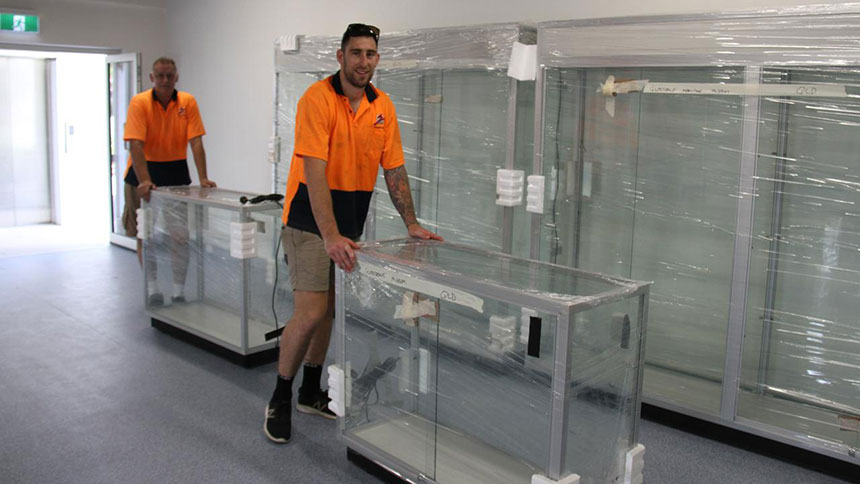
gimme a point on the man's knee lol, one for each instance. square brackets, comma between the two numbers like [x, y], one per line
[311, 317]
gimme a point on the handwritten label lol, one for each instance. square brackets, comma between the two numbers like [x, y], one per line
[781, 90]
[432, 289]
[397, 64]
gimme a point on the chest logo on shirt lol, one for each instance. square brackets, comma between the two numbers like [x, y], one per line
[380, 121]
[182, 111]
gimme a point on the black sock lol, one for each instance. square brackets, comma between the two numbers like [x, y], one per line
[311, 379]
[283, 390]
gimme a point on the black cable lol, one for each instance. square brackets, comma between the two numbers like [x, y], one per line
[555, 246]
[275, 285]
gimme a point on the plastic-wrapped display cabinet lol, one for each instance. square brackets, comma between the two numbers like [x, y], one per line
[462, 117]
[416, 396]
[716, 155]
[210, 269]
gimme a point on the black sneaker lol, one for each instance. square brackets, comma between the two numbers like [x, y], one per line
[156, 299]
[278, 425]
[315, 404]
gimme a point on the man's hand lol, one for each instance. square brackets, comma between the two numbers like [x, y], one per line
[416, 231]
[342, 251]
[207, 183]
[143, 189]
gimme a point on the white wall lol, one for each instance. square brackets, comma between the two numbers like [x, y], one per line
[225, 52]
[130, 25]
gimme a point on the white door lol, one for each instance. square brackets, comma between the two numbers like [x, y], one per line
[123, 83]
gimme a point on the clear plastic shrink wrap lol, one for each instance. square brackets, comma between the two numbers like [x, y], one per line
[717, 156]
[464, 365]
[714, 154]
[210, 266]
[461, 119]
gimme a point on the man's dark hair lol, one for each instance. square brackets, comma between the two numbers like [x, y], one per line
[359, 30]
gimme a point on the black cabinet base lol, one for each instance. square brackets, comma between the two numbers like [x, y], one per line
[373, 468]
[248, 361]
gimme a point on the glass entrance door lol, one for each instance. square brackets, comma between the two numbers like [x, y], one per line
[123, 82]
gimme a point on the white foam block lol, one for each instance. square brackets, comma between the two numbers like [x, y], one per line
[289, 43]
[523, 65]
[569, 479]
[634, 465]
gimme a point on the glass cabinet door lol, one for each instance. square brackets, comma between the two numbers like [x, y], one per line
[651, 194]
[802, 342]
[454, 127]
[391, 377]
[485, 375]
[289, 88]
[416, 96]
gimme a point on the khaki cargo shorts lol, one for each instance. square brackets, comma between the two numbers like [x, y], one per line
[129, 212]
[311, 269]
[175, 214]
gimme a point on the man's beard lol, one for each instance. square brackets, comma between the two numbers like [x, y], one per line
[354, 79]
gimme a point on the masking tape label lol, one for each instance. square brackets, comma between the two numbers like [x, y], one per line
[397, 64]
[431, 289]
[801, 90]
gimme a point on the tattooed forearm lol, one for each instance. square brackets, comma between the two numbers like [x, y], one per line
[401, 196]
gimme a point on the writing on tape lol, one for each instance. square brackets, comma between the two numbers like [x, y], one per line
[432, 289]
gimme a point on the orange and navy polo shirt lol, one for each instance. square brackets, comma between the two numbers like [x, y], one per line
[165, 134]
[353, 145]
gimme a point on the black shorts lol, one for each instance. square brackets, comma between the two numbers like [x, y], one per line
[163, 173]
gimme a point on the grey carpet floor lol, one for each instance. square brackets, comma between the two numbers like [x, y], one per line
[90, 393]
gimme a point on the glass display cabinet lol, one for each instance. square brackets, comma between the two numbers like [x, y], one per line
[460, 365]
[716, 155]
[210, 270]
[461, 119]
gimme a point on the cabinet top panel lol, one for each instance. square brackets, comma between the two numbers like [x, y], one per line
[491, 274]
[219, 197]
[817, 35]
[475, 46]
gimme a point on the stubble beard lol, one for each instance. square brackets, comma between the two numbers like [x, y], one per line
[353, 78]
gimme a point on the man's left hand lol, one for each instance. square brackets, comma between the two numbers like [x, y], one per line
[207, 183]
[416, 231]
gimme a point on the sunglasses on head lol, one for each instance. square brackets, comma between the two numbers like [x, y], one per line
[361, 30]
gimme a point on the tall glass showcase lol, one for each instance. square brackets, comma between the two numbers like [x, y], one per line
[210, 269]
[717, 157]
[465, 365]
[461, 119]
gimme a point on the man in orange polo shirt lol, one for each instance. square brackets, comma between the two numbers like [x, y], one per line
[345, 129]
[159, 126]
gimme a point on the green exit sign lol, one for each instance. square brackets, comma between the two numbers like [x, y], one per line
[19, 22]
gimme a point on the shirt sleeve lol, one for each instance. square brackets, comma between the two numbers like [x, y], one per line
[135, 122]
[392, 153]
[313, 127]
[195, 122]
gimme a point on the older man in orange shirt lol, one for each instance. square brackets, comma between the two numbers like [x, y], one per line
[160, 125]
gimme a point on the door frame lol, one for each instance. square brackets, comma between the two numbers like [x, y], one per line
[135, 59]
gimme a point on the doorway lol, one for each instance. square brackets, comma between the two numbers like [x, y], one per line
[54, 188]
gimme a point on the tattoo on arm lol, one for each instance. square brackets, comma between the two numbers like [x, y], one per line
[401, 196]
